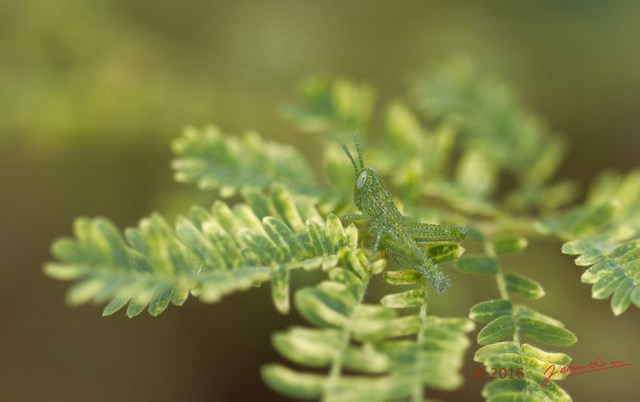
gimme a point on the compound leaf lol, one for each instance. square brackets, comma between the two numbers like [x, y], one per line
[605, 234]
[209, 255]
[231, 164]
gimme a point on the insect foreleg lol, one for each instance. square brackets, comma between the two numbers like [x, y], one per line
[427, 232]
[346, 219]
[428, 269]
[376, 244]
[435, 277]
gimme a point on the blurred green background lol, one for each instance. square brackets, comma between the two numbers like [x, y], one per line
[93, 91]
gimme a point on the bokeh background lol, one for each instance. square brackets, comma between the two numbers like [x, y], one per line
[92, 92]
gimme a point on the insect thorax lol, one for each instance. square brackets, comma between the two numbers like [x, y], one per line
[375, 201]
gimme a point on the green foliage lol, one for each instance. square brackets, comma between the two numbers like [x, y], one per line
[331, 106]
[217, 161]
[364, 339]
[532, 362]
[213, 160]
[507, 320]
[445, 155]
[497, 133]
[209, 254]
[605, 234]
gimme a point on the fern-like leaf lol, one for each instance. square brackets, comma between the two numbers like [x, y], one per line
[528, 370]
[494, 127]
[209, 254]
[508, 320]
[339, 106]
[605, 235]
[425, 161]
[214, 160]
[363, 339]
[427, 158]
[503, 319]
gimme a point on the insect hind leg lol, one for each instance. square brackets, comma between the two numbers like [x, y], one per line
[435, 277]
[428, 232]
[346, 219]
[356, 140]
[415, 258]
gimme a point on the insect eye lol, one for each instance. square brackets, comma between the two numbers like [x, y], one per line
[362, 179]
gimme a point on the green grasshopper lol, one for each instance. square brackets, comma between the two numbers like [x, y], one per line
[396, 234]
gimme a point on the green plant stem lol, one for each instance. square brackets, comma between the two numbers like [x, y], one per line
[502, 285]
[335, 371]
[417, 394]
[500, 281]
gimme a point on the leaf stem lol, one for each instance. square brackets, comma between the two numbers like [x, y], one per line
[418, 391]
[500, 281]
[335, 370]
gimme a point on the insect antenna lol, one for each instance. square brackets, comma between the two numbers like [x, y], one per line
[346, 151]
[359, 149]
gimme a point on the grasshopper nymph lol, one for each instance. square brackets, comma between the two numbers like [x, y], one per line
[394, 233]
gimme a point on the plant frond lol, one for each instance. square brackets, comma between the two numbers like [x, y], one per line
[516, 367]
[526, 370]
[605, 235]
[425, 163]
[364, 340]
[230, 164]
[214, 160]
[338, 106]
[506, 319]
[491, 133]
[491, 119]
[493, 125]
[458, 141]
[209, 254]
